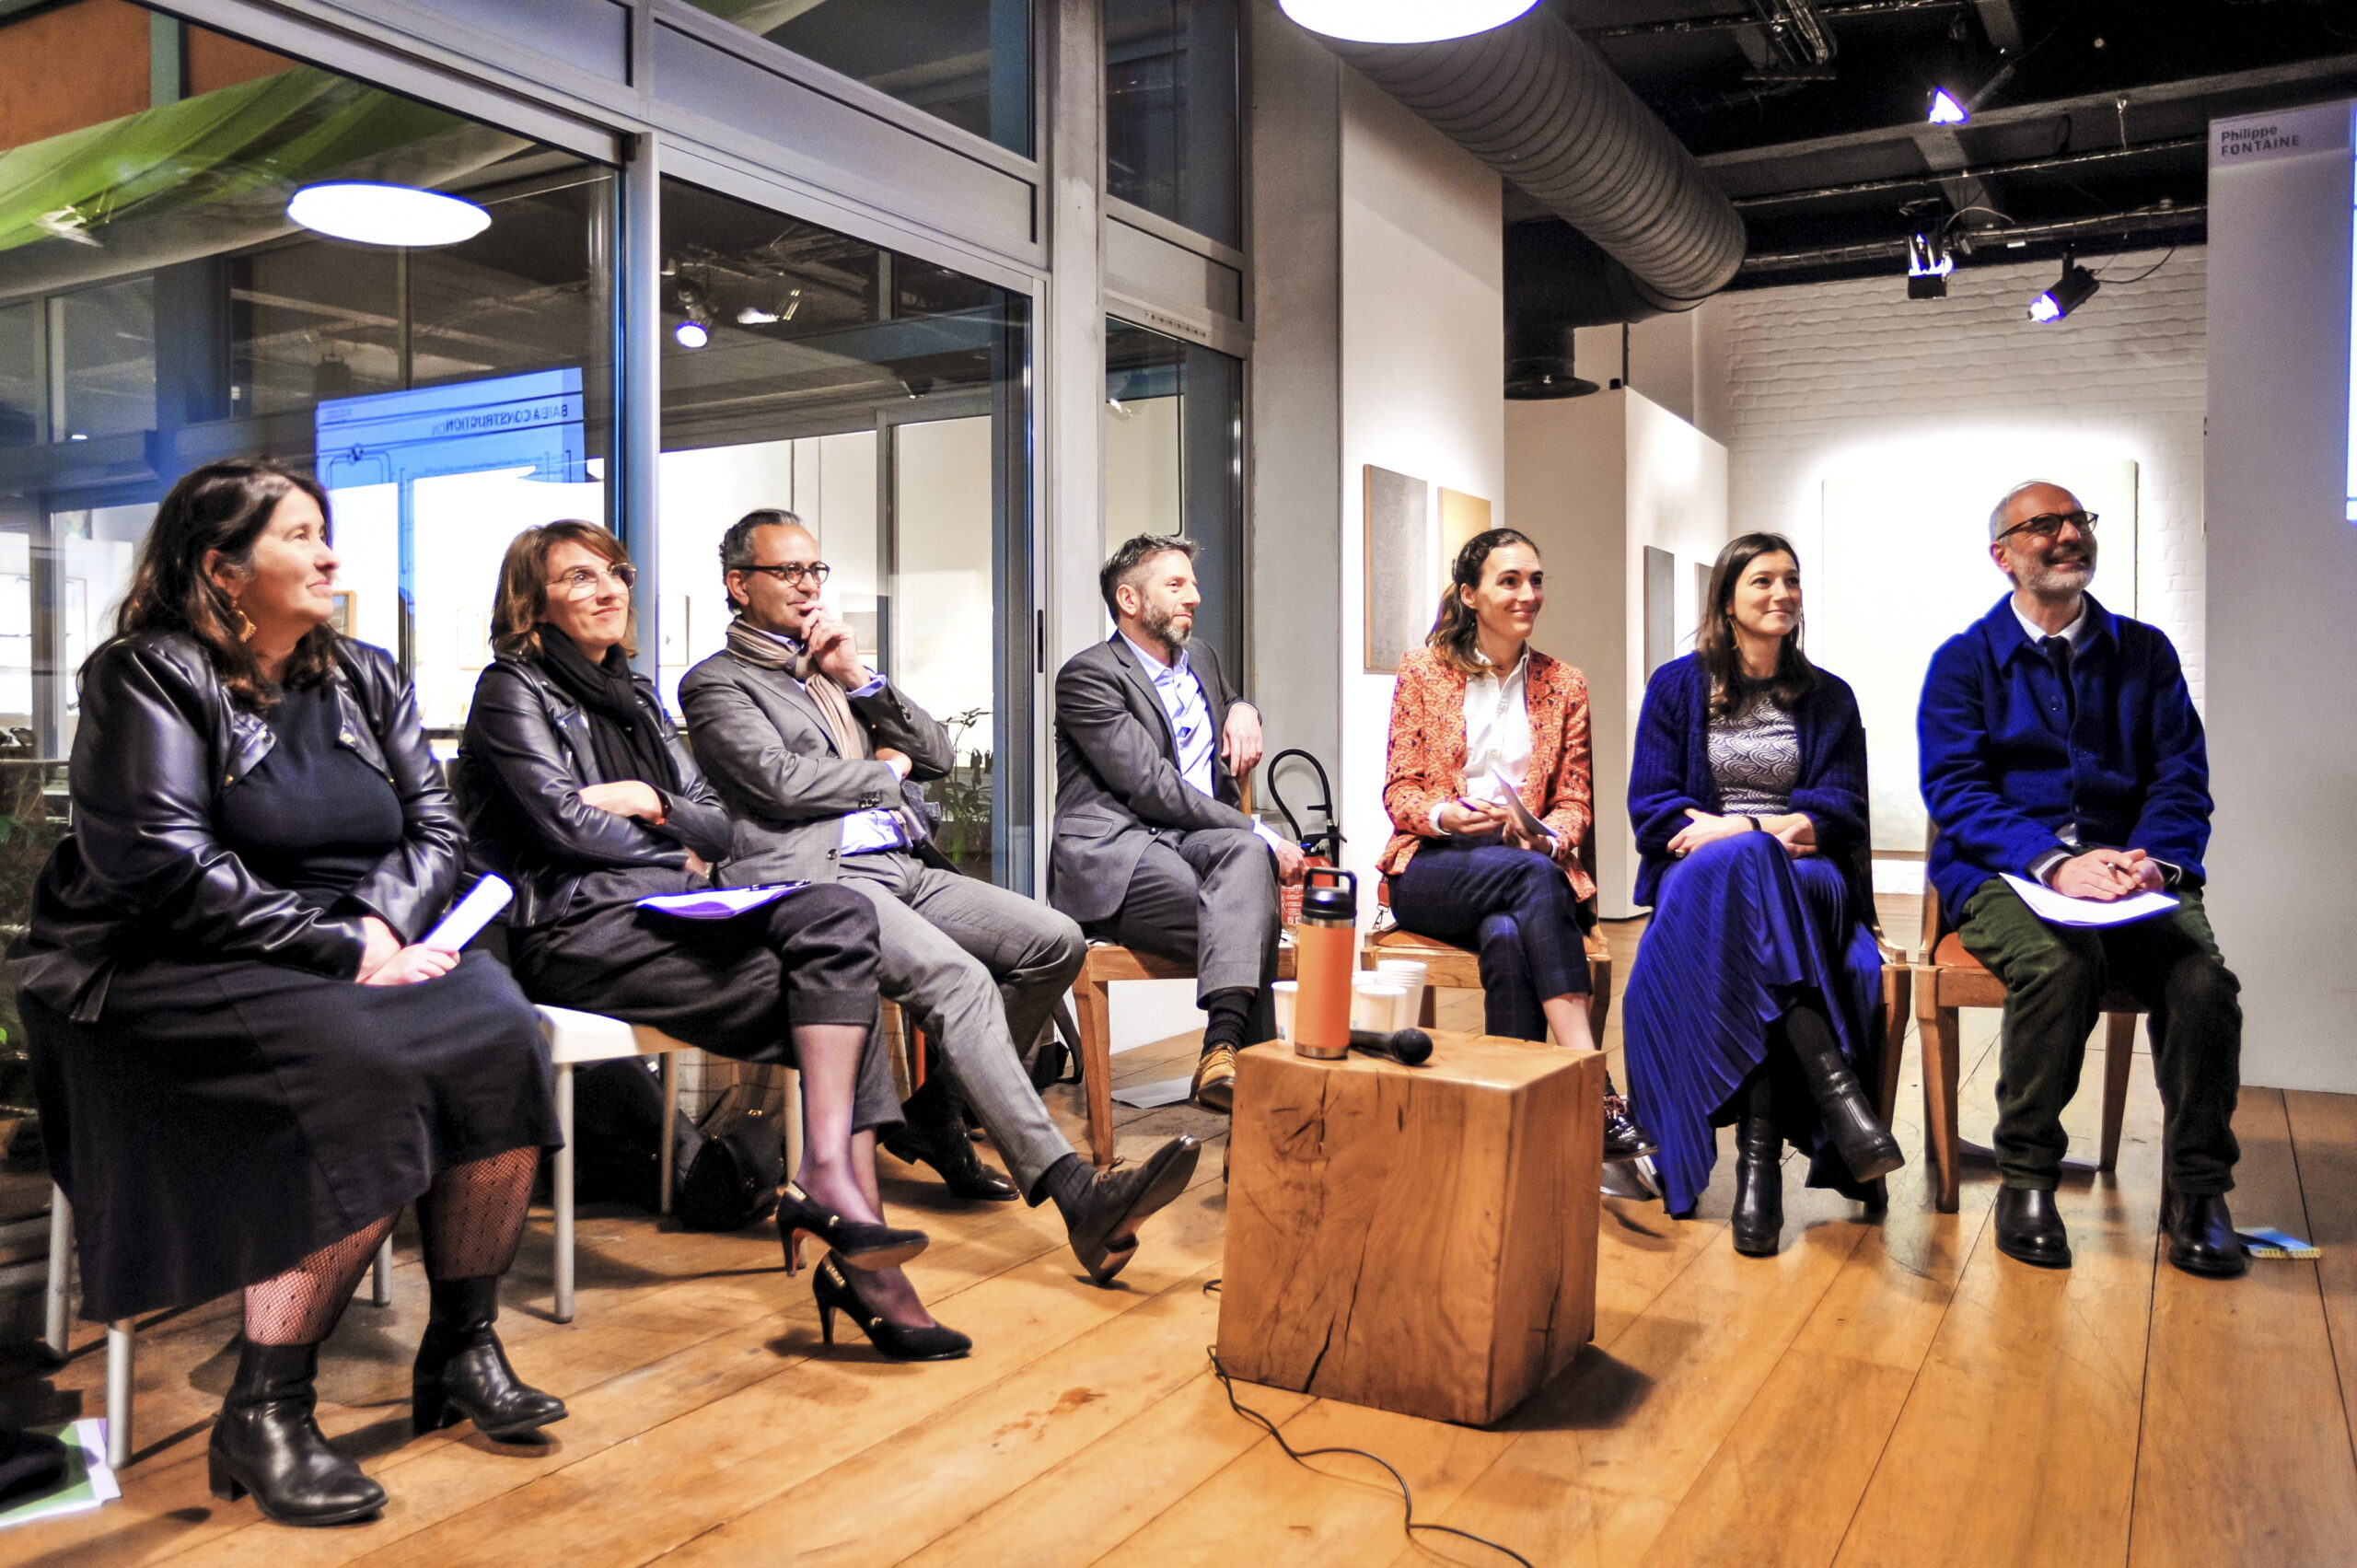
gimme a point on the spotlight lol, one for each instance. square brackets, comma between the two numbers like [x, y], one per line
[1928, 263]
[1402, 22]
[2073, 289]
[691, 334]
[694, 329]
[1945, 109]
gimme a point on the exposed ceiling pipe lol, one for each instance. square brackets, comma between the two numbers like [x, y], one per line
[1540, 106]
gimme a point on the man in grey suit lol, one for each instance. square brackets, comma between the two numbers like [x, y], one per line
[809, 750]
[1151, 849]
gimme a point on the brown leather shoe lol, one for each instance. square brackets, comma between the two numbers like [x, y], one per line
[1214, 1088]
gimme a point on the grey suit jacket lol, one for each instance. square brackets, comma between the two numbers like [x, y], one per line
[763, 742]
[1117, 773]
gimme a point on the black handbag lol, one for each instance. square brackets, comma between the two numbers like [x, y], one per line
[733, 1181]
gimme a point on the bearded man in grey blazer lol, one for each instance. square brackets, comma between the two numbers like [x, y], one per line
[809, 749]
[1153, 850]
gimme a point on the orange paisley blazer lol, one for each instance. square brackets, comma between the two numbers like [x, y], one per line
[1425, 765]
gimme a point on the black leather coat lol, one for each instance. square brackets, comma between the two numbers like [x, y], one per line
[161, 742]
[523, 764]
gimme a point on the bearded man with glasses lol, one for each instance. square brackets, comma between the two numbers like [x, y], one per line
[810, 750]
[2059, 745]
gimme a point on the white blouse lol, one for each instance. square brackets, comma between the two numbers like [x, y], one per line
[1497, 732]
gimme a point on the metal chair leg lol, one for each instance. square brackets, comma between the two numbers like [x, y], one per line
[563, 1193]
[381, 1290]
[121, 1343]
[57, 1321]
[667, 1161]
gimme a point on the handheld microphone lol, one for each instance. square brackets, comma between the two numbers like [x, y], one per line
[1409, 1048]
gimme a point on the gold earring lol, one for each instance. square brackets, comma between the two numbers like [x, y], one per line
[245, 623]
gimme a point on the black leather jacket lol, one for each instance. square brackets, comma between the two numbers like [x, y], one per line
[160, 743]
[523, 764]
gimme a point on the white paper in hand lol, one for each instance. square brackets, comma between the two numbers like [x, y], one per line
[469, 915]
[2060, 908]
[718, 903]
[1511, 798]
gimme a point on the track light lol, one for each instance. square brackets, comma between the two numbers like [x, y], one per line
[1946, 110]
[691, 334]
[1928, 263]
[2073, 289]
[694, 329]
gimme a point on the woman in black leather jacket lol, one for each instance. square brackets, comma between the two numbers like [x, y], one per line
[246, 1063]
[579, 791]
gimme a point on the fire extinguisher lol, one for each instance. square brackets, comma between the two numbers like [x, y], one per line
[1321, 848]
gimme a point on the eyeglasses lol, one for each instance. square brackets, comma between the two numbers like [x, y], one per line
[2045, 524]
[583, 581]
[811, 571]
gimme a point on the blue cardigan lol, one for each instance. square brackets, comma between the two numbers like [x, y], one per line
[2002, 777]
[1671, 771]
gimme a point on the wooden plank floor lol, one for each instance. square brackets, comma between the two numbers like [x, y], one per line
[1880, 1393]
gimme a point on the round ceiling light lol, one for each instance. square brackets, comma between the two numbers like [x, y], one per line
[1402, 22]
[385, 214]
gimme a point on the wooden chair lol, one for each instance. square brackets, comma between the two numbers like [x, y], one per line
[1948, 979]
[1106, 963]
[1460, 969]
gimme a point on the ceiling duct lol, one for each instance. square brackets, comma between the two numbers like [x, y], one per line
[1537, 104]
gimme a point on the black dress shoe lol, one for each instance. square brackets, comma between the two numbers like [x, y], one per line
[1758, 1223]
[462, 1374]
[266, 1442]
[1103, 1222]
[2030, 1229]
[2201, 1235]
[934, 1134]
[1624, 1137]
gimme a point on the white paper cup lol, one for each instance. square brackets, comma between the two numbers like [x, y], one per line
[1284, 992]
[1376, 1004]
[1409, 973]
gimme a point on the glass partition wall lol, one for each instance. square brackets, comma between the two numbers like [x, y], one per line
[1174, 464]
[881, 400]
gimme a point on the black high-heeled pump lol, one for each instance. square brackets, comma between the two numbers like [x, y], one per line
[832, 1291]
[859, 1244]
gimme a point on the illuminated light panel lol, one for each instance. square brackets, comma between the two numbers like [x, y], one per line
[371, 214]
[1402, 22]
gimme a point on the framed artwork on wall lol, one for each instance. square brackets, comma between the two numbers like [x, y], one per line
[1399, 576]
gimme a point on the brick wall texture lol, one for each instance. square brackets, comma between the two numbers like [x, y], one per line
[1811, 370]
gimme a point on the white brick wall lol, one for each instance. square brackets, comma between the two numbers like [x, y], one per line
[1788, 377]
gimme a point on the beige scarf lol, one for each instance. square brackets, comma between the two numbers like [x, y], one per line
[765, 652]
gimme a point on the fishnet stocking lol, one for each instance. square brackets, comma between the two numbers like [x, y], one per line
[301, 1305]
[472, 1216]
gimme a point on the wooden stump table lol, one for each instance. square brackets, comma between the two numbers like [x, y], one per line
[1419, 1239]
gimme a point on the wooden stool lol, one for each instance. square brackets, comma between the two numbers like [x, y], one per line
[1106, 963]
[1419, 1239]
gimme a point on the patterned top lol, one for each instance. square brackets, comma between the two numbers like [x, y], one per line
[1755, 758]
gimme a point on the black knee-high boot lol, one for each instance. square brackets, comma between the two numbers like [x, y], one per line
[462, 1372]
[266, 1442]
[1865, 1144]
[1759, 1219]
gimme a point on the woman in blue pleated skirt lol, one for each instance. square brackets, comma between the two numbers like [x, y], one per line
[1751, 999]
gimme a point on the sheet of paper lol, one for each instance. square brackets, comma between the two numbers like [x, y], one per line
[1508, 797]
[86, 1484]
[718, 903]
[469, 915]
[2059, 908]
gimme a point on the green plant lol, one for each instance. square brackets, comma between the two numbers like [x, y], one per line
[965, 795]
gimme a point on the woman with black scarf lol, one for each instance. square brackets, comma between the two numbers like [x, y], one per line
[578, 790]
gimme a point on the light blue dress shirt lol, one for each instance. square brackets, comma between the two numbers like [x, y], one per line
[1181, 691]
[864, 832]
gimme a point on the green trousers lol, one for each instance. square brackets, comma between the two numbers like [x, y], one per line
[2055, 980]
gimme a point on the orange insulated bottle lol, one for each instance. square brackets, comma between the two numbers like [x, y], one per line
[1326, 947]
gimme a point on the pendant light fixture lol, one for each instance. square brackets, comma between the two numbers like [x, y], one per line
[385, 214]
[1402, 22]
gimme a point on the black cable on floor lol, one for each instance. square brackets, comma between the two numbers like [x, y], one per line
[1301, 1457]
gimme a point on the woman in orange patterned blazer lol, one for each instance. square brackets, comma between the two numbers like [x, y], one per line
[1478, 712]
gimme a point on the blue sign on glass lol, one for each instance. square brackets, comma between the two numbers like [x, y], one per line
[504, 421]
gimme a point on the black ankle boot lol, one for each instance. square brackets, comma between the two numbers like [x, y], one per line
[462, 1372]
[1758, 1223]
[266, 1442]
[1865, 1144]
[934, 1133]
